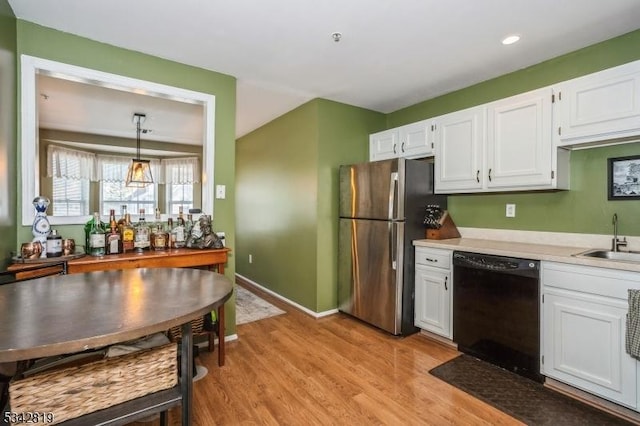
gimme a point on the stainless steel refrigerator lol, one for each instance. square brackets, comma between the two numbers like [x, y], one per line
[382, 206]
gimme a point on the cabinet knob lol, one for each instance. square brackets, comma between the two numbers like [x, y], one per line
[402, 147]
[478, 176]
[489, 175]
[445, 283]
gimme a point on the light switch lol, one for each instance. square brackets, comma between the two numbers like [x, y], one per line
[221, 192]
[510, 210]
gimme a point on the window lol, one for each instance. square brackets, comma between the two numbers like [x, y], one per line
[73, 172]
[70, 197]
[112, 171]
[179, 195]
[179, 176]
[70, 171]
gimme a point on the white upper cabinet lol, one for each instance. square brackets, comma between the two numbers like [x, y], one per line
[383, 145]
[415, 140]
[603, 106]
[409, 141]
[505, 145]
[520, 143]
[459, 150]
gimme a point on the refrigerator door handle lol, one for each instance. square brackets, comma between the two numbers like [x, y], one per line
[393, 187]
[392, 246]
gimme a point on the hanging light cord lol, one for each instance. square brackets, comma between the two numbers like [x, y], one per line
[138, 118]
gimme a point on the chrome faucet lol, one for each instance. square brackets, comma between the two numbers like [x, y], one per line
[617, 243]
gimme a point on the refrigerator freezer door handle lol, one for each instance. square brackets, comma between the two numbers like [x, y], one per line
[393, 185]
[392, 246]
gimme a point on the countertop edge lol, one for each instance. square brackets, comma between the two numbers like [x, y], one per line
[551, 253]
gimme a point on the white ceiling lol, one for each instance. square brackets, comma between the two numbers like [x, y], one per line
[79, 107]
[393, 53]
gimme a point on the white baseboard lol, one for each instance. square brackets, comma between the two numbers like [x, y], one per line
[205, 345]
[231, 338]
[290, 302]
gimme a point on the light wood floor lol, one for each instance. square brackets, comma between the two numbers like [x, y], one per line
[297, 370]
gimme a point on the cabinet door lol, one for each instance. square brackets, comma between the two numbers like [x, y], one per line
[519, 141]
[459, 145]
[383, 145]
[600, 106]
[583, 339]
[433, 300]
[415, 141]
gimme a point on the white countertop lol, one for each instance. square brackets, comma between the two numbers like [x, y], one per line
[563, 254]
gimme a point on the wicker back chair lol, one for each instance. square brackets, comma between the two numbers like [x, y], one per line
[199, 327]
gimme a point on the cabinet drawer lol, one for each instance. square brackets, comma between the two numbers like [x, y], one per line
[587, 279]
[433, 257]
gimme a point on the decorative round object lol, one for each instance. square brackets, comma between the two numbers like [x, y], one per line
[31, 250]
[41, 227]
[68, 246]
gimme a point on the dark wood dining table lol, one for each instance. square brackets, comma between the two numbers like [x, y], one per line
[64, 314]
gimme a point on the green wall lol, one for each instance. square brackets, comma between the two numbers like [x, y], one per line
[343, 131]
[583, 209]
[55, 45]
[286, 180]
[8, 112]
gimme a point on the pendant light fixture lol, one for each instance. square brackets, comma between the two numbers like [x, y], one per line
[139, 174]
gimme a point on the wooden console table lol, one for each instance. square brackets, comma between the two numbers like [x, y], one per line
[174, 258]
[70, 313]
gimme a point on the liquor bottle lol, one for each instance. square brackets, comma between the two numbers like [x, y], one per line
[142, 239]
[177, 232]
[159, 238]
[157, 223]
[188, 226]
[128, 235]
[123, 217]
[114, 240]
[171, 243]
[97, 241]
[87, 232]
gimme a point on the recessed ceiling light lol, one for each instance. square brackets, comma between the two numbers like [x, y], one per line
[510, 39]
[336, 36]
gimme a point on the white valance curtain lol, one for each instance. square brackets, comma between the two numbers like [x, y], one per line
[180, 171]
[70, 163]
[74, 164]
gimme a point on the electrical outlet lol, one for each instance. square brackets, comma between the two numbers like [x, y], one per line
[250, 258]
[511, 210]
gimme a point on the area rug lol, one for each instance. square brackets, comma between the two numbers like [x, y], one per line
[250, 307]
[524, 399]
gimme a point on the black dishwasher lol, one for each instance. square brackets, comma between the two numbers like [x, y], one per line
[496, 311]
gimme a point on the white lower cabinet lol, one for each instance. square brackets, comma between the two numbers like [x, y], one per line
[583, 330]
[433, 291]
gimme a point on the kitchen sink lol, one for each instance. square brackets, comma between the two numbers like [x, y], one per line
[621, 256]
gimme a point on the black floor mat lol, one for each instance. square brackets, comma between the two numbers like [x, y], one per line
[524, 399]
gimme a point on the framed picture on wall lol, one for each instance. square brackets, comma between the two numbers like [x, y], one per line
[624, 178]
